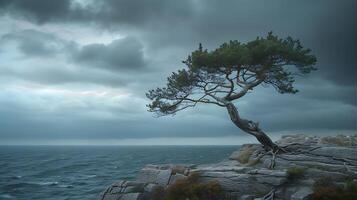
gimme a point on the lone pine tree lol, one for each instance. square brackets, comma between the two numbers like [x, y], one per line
[228, 73]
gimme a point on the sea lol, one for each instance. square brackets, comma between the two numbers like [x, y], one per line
[82, 172]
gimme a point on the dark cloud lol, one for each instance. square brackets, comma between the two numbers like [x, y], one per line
[159, 35]
[36, 43]
[302, 111]
[143, 13]
[334, 40]
[40, 11]
[126, 53]
[121, 54]
[328, 91]
[94, 63]
[107, 13]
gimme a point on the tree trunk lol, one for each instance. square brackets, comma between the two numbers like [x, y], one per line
[250, 127]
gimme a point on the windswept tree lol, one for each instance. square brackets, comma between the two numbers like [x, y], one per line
[226, 74]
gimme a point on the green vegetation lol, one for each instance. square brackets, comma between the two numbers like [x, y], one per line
[326, 189]
[295, 173]
[189, 188]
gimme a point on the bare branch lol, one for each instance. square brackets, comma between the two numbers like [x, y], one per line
[231, 85]
[245, 89]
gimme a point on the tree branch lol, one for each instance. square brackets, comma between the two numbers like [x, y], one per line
[245, 89]
[231, 85]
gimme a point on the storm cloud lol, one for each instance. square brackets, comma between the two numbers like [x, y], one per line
[79, 69]
[35, 43]
[124, 53]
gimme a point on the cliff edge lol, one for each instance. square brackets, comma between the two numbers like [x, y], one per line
[304, 167]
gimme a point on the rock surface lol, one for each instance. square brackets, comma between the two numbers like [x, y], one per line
[246, 175]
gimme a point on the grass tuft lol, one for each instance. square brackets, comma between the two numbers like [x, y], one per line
[295, 173]
[245, 155]
[326, 189]
[190, 188]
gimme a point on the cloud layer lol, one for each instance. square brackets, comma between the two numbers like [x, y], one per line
[79, 69]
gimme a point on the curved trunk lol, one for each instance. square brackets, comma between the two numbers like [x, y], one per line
[250, 127]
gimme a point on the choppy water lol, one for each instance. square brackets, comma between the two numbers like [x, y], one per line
[82, 172]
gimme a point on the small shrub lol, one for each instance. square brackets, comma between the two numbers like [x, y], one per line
[295, 173]
[326, 189]
[245, 155]
[157, 193]
[189, 188]
[351, 185]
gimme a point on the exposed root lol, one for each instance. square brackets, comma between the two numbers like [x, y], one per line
[270, 195]
[299, 149]
[282, 149]
[349, 171]
[347, 168]
[272, 162]
[274, 156]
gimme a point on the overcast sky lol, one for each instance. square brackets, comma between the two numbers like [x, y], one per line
[76, 71]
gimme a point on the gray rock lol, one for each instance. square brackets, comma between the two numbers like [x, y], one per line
[134, 188]
[273, 173]
[337, 152]
[130, 196]
[303, 193]
[110, 197]
[246, 197]
[150, 187]
[273, 181]
[116, 190]
[224, 168]
[244, 181]
[298, 138]
[151, 175]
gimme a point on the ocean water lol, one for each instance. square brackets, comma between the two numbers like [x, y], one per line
[82, 172]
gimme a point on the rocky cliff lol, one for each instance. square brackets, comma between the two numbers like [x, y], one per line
[253, 173]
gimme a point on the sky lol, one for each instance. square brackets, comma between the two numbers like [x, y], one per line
[76, 71]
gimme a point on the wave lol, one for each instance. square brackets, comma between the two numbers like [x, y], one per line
[6, 196]
[40, 183]
[86, 171]
[16, 177]
[50, 183]
[90, 176]
[66, 186]
[65, 168]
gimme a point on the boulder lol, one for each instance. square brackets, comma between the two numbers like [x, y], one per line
[152, 175]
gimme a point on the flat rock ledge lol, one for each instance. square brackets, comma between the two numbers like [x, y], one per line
[246, 174]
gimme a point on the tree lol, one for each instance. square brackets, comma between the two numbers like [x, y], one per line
[228, 73]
